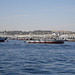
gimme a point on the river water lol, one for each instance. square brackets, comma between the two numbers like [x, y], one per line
[19, 58]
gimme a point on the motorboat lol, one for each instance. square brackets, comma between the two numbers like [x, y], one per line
[50, 41]
[2, 39]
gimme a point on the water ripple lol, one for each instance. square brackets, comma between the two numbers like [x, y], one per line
[19, 58]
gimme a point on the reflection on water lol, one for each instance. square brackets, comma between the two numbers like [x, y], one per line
[19, 58]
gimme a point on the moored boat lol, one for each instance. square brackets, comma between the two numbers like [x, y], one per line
[50, 41]
[70, 40]
[2, 39]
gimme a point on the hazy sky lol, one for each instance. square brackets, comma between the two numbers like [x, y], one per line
[29, 15]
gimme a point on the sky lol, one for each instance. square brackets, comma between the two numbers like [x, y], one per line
[30, 15]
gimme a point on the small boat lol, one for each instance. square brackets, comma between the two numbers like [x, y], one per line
[50, 41]
[2, 39]
[70, 40]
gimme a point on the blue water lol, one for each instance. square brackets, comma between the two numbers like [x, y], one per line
[19, 58]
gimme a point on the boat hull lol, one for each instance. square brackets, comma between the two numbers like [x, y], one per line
[70, 40]
[50, 42]
[2, 40]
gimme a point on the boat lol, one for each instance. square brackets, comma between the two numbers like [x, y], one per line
[2, 39]
[50, 41]
[69, 39]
